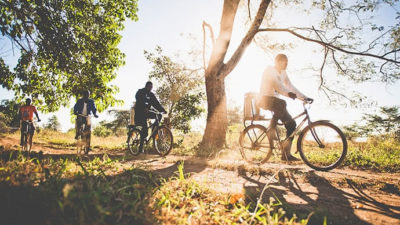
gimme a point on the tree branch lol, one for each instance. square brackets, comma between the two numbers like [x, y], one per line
[328, 45]
[204, 41]
[233, 61]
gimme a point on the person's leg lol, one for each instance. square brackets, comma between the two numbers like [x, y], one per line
[280, 110]
[143, 135]
[88, 134]
[77, 125]
[22, 132]
[32, 133]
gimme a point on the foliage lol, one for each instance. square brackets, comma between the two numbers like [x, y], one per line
[178, 87]
[10, 110]
[66, 46]
[376, 154]
[3, 123]
[53, 124]
[121, 120]
[385, 122]
[235, 115]
[102, 130]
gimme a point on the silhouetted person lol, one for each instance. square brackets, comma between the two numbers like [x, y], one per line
[145, 99]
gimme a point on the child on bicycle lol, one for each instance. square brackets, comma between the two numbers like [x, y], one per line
[275, 81]
[26, 114]
[84, 107]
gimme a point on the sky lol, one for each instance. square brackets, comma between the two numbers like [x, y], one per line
[168, 23]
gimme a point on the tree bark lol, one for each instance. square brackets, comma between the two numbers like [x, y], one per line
[215, 132]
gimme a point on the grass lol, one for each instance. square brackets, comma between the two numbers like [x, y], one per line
[111, 191]
[376, 155]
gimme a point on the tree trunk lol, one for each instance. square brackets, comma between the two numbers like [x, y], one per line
[217, 122]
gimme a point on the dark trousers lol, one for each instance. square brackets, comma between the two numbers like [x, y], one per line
[144, 132]
[278, 107]
[24, 126]
[87, 132]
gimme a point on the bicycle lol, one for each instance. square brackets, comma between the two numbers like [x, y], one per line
[161, 135]
[83, 135]
[321, 144]
[27, 135]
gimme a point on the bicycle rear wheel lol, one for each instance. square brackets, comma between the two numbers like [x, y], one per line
[255, 145]
[322, 146]
[134, 141]
[163, 140]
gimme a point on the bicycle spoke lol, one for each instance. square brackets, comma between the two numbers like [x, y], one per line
[323, 146]
[255, 147]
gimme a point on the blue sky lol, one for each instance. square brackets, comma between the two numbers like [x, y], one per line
[163, 23]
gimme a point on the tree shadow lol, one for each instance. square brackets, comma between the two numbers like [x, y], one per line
[320, 198]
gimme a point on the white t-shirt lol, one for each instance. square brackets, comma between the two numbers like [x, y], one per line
[84, 110]
[273, 84]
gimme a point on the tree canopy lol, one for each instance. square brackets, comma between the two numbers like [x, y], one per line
[178, 87]
[66, 46]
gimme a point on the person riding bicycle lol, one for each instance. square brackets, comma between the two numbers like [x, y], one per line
[145, 99]
[26, 114]
[84, 106]
[275, 81]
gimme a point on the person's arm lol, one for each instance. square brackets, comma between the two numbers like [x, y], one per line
[36, 113]
[292, 88]
[20, 114]
[156, 104]
[94, 110]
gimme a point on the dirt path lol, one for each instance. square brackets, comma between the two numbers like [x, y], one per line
[343, 196]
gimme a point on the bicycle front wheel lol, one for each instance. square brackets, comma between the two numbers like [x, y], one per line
[25, 142]
[29, 142]
[322, 146]
[134, 141]
[163, 140]
[255, 145]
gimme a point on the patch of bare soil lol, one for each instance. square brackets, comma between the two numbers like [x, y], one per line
[342, 196]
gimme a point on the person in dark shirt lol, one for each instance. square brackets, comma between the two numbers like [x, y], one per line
[145, 99]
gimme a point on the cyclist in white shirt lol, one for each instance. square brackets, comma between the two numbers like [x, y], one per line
[275, 82]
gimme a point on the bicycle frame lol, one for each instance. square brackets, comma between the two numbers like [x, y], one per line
[154, 126]
[306, 118]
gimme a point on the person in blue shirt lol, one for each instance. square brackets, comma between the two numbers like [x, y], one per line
[83, 108]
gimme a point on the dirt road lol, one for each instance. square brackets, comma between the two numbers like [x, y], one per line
[342, 196]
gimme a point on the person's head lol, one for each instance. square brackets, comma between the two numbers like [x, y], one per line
[148, 86]
[85, 94]
[28, 101]
[281, 62]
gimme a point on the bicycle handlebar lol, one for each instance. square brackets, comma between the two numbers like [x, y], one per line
[83, 115]
[157, 112]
